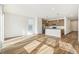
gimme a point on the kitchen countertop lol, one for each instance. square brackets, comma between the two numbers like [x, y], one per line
[55, 28]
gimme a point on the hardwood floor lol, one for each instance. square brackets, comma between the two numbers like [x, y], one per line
[42, 44]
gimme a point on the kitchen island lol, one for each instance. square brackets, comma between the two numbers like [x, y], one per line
[57, 32]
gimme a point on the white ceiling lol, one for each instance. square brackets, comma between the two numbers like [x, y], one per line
[44, 10]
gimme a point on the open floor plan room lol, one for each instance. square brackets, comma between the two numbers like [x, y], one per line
[39, 29]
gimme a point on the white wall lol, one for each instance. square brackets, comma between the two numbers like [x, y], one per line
[74, 25]
[67, 28]
[70, 25]
[78, 24]
[1, 26]
[38, 25]
[17, 25]
[14, 25]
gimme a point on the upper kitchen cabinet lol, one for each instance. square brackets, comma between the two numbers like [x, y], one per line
[58, 22]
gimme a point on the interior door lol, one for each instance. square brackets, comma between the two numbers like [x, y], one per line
[30, 26]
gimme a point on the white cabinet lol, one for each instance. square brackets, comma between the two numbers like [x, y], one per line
[53, 32]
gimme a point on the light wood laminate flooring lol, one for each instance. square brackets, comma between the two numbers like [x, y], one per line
[42, 44]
